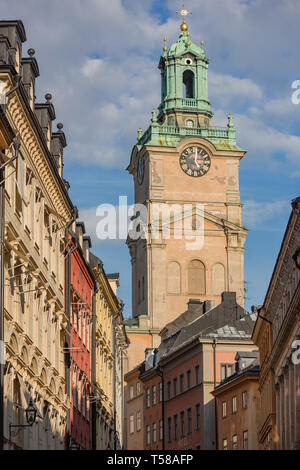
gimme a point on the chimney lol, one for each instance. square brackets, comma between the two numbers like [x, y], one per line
[12, 35]
[45, 114]
[30, 71]
[58, 143]
[195, 305]
[208, 305]
[229, 297]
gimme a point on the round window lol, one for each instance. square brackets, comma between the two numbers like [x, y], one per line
[188, 61]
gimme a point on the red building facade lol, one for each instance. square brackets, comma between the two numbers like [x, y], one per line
[81, 285]
[153, 407]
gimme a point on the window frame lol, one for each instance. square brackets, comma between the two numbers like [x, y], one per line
[224, 409]
[147, 397]
[234, 404]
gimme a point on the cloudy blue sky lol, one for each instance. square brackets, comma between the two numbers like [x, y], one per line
[99, 60]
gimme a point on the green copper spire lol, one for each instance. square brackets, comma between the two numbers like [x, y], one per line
[184, 77]
[185, 109]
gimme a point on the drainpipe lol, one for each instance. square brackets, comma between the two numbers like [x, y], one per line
[215, 400]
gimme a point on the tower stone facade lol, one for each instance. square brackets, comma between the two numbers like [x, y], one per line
[186, 174]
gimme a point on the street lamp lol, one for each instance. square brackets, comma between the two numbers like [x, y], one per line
[30, 413]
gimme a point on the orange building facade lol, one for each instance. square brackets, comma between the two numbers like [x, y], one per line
[238, 405]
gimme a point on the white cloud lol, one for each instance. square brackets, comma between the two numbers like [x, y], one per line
[100, 64]
[227, 90]
[255, 214]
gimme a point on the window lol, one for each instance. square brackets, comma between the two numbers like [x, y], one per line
[175, 386]
[196, 278]
[189, 417]
[182, 424]
[181, 383]
[131, 393]
[169, 390]
[147, 434]
[226, 371]
[154, 395]
[147, 397]
[233, 404]
[173, 278]
[234, 442]
[224, 409]
[198, 417]
[160, 390]
[245, 440]
[138, 388]
[175, 427]
[197, 375]
[188, 379]
[169, 429]
[225, 444]
[138, 420]
[153, 433]
[131, 424]
[189, 123]
[244, 400]
[161, 429]
[188, 84]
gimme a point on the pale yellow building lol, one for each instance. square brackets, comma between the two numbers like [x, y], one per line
[110, 348]
[37, 211]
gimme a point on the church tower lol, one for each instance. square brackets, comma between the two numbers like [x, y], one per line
[186, 173]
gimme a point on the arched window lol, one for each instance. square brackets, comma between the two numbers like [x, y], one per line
[218, 279]
[196, 278]
[188, 84]
[174, 278]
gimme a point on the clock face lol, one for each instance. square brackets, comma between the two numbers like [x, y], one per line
[195, 161]
[141, 170]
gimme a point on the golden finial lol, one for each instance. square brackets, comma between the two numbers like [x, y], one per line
[165, 44]
[183, 13]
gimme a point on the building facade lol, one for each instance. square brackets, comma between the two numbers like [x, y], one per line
[110, 349]
[134, 410]
[277, 335]
[196, 353]
[78, 349]
[37, 211]
[238, 405]
[153, 403]
[186, 176]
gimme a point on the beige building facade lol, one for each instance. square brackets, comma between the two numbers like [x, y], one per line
[37, 211]
[277, 333]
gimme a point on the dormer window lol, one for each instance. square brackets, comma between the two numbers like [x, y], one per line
[188, 84]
